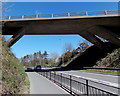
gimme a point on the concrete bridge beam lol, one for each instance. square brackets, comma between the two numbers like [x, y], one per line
[15, 37]
[106, 34]
[93, 39]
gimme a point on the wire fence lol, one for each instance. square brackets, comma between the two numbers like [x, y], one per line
[69, 14]
[77, 86]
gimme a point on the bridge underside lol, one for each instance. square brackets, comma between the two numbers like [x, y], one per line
[91, 29]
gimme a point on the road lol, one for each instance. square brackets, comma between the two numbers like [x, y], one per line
[41, 85]
[110, 80]
[95, 76]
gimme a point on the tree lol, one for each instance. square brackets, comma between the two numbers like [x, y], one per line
[74, 52]
[2, 7]
[60, 61]
[54, 56]
[35, 58]
[68, 47]
[45, 54]
[40, 57]
[83, 46]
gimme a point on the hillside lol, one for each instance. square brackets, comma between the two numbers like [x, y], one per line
[14, 79]
[111, 60]
[95, 57]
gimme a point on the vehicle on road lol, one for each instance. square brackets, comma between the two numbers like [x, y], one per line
[37, 68]
[29, 68]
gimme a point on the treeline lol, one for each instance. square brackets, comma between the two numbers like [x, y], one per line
[47, 60]
[35, 59]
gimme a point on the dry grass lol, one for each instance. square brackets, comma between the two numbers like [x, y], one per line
[111, 60]
[13, 75]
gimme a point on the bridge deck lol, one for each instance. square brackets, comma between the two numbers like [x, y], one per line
[88, 26]
[59, 25]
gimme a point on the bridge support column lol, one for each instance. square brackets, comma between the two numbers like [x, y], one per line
[15, 38]
[93, 39]
[105, 34]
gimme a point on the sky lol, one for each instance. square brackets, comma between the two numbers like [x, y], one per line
[60, 0]
[29, 44]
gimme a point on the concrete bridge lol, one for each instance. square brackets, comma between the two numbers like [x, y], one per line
[90, 25]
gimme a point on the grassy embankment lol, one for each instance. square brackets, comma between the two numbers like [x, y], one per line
[67, 63]
[14, 79]
[111, 60]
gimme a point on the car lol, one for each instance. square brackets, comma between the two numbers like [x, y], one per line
[29, 68]
[37, 68]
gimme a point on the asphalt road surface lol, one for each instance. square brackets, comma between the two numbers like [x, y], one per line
[97, 76]
[41, 85]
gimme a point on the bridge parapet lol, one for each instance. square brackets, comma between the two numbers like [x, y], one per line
[69, 14]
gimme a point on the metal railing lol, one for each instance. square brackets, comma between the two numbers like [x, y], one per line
[69, 14]
[77, 86]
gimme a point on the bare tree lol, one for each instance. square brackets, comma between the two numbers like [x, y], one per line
[55, 56]
[5, 8]
[68, 47]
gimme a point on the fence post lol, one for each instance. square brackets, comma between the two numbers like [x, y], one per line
[70, 84]
[46, 74]
[22, 16]
[105, 12]
[50, 75]
[9, 17]
[52, 15]
[86, 13]
[68, 14]
[61, 79]
[36, 15]
[54, 76]
[87, 87]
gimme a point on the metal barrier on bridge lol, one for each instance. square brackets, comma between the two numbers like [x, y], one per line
[77, 86]
[69, 14]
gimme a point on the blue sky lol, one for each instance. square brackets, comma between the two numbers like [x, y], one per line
[51, 43]
[60, 0]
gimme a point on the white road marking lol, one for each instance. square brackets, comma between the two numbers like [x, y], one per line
[96, 80]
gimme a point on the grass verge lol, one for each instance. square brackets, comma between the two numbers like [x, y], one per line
[103, 71]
